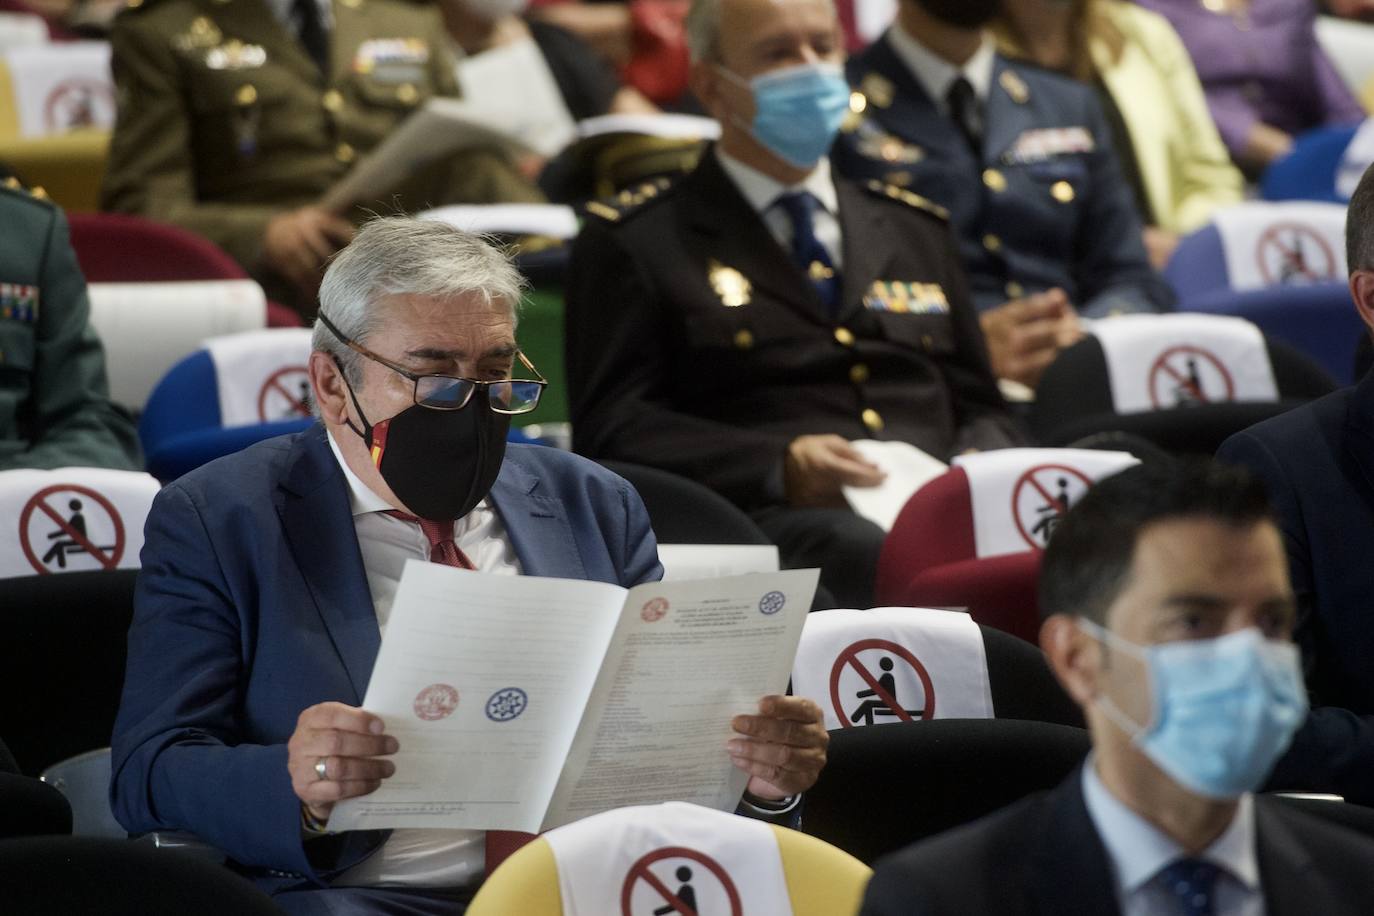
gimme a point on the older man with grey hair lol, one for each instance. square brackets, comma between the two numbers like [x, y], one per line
[268, 578]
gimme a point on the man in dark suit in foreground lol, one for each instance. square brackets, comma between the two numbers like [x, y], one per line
[1171, 621]
[744, 326]
[1318, 463]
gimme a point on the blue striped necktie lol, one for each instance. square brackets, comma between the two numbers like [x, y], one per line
[807, 251]
[1193, 883]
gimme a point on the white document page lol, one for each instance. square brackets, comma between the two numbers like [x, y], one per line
[441, 127]
[685, 659]
[514, 86]
[907, 468]
[482, 681]
[711, 561]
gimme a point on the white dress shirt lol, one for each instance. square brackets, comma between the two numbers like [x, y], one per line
[1138, 851]
[936, 75]
[419, 857]
[762, 193]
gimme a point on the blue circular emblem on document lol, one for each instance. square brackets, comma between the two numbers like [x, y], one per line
[507, 704]
[772, 602]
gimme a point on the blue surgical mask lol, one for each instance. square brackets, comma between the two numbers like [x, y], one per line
[1225, 709]
[797, 110]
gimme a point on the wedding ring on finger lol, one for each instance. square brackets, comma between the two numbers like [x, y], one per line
[321, 768]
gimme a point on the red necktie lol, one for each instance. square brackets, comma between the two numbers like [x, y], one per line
[443, 549]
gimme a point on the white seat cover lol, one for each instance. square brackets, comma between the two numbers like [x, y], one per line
[856, 664]
[262, 376]
[633, 860]
[61, 87]
[72, 520]
[1159, 362]
[1019, 494]
[1285, 243]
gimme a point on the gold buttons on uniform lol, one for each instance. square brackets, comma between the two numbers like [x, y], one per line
[344, 153]
[744, 339]
[246, 95]
[1062, 191]
[858, 373]
[332, 101]
[1015, 290]
[844, 337]
[995, 180]
[873, 420]
[407, 94]
[992, 242]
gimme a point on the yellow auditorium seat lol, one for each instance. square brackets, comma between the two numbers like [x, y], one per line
[69, 167]
[822, 880]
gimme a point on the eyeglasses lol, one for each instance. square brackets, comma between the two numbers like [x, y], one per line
[447, 392]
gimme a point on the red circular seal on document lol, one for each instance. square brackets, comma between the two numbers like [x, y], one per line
[435, 702]
[654, 610]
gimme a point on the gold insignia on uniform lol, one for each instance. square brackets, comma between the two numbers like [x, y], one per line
[908, 198]
[857, 102]
[597, 208]
[995, 180]
[729, 284]
[819, 273]
[235, 55]
[12, 183]
[1016, 87]
[877, 89]
[906, 297]
[1063, 192]
[202, 34]
[744, 339]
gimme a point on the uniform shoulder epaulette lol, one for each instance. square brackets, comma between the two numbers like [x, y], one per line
[11, 187]
[629, 201]
[883, 189]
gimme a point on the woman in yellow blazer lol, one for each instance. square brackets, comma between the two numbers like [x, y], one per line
[1167, 141]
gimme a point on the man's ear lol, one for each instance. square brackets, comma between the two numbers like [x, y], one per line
[327, 384]
[1362, 291]
[1074, 657]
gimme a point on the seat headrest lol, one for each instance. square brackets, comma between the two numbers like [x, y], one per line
[262, 376]
[1282, 243]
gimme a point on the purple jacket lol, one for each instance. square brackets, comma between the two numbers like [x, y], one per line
[1268, 69]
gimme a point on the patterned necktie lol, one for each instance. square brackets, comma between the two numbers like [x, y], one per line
[1193, 882]
[964, 109]
[807, 251]
[443, 549]
[315, 39]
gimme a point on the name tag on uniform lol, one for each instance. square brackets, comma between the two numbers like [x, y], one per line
[18, 303]
[907, 298]
[392, 60]
[1047, 143]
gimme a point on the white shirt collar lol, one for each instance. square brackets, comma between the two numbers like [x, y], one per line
[1138, 849]
[935, 74]
[360, 496]
[761, 191]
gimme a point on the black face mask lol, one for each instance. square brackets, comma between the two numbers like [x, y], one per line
[440, 463]
[965, 14]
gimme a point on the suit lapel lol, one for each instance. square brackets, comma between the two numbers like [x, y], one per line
[251, 22]
[1288, 881]
[537, 525]
[1069, 872]
[867, 255]
[725, 228]
[1359, 426]
[1007, 118]
[318, 521]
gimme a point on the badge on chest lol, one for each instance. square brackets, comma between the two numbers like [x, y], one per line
[907, 298]
[731, 286]
[1048, 143]
[18, 302]
[392, 60]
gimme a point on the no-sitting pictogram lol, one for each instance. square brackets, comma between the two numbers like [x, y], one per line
[679, 881]
[902, 691]
[1186, 376]
[1291, 254]
[1042, 496]
[78, 102]
[285, 395]
[66, 523]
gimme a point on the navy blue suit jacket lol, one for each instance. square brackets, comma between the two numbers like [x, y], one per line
[1043, 856]
[253, 605]
[1318, 464]
[1025, 224]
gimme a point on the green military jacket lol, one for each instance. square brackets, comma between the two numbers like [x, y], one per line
[225, 121]
[54, 404]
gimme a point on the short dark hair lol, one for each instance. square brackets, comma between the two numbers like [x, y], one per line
[1090, 554]
[1359, 225]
